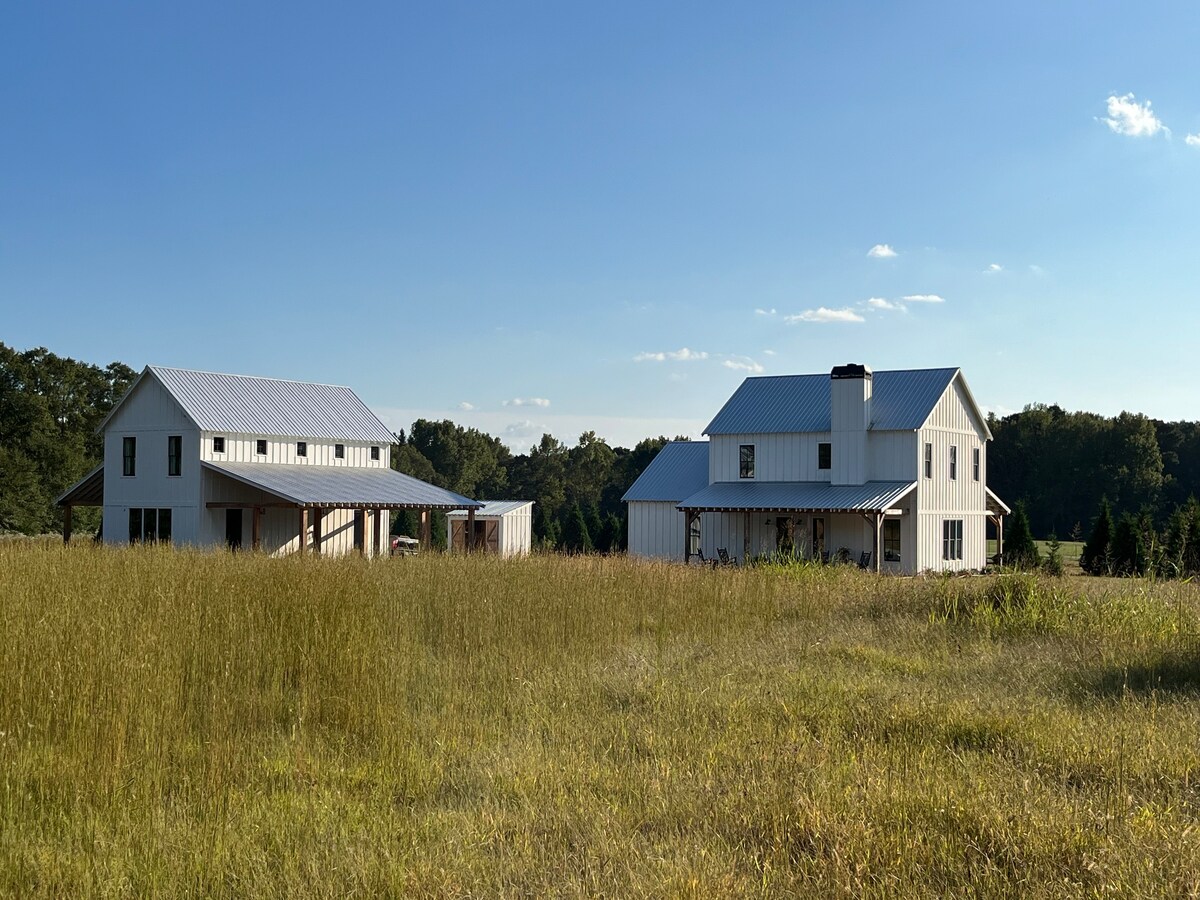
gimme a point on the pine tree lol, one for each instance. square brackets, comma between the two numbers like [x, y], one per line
[1191, 554]
[1053, 564]
[1019, 548]
[575, 537]
[1125, 547]
[1096, 558]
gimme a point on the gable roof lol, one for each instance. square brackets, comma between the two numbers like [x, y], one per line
[493, 509]
[246, 404]
[901, 400]
[678, 470]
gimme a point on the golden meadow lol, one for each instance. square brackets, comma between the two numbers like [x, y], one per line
[192, 724]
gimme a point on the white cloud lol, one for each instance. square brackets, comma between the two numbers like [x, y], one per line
[528, 401]
[1127, 116]
[1037, 270]
[765, 312]
[768, 353]
[882, 251]
[993, 269]
[881, 303]
[1192, 140]
[681, 355]
[825, 315]
[465, 406]
[924, 298]
[743, 364]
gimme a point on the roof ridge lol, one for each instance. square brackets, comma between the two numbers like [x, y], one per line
[248, 377]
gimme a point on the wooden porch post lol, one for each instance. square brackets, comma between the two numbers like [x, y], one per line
[380, 514]
[426, 530]
[746, 540]
[303, 529]
[878, 529]
[471, 530]
[67, 523]
[318, 515]
[687, 536]
[1000, 537]
[256, 528]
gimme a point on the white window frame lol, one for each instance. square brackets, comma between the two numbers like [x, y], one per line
[953, 462]
[928, 459]
[975, 454]
[742, 448]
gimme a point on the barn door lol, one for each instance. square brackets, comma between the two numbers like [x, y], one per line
[458, 535]
[491, 537]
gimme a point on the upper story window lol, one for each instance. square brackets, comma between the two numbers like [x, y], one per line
[975, 464]
[302, 448]
[746, 461]
[824, 456]
[174, 454]
[129, 456]
[953, 462]
[339, 451]
[218, 445]
[929, 460]
[375, 454]
[260, 447]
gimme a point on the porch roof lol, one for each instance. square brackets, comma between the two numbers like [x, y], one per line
[342, 487]
[995, 505]
[87, 491]
[797, 496]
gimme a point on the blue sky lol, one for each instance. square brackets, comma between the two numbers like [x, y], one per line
[570, 216]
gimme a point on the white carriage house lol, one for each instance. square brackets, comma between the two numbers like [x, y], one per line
[886, 469]
[503, 527]
[206, 459]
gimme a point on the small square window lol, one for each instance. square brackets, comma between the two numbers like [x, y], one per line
[260, 447]
[339, 451]
[302, 448]
[218, 445]
[824, 456]
[746, 461]
[375, 453]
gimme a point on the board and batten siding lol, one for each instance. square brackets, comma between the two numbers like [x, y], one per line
[655, 529]
[151, 415]
[282, 451]
[516, 532]
[952, 423]
[777, 457]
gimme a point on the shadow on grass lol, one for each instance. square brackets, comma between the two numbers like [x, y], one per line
[1165, 672]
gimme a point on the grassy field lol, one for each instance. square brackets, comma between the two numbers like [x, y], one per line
[181, 724]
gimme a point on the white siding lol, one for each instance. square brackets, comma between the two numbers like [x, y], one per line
[850, 414]
[516, 532]
[655, 530]
[282, 451]
[892, 456]
[777, 457]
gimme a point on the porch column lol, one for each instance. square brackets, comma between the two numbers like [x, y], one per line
[379, 516]
[67, 523]
[318, 515]
[878, 529]
[426, 530]
[746, 540]
[256, 527]
[687, 536]
[303, 529]
[1000, 537]
[471, 530]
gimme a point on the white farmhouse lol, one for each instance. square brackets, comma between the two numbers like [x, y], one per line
[207, 459]
[888, 469]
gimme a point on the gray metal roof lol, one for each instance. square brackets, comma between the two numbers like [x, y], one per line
[245, 404]
[493, 509]
[342, 486]
[814, 496]
[679, 470]
[901, 400]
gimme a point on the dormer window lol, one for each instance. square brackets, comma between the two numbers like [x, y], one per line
[746, 461]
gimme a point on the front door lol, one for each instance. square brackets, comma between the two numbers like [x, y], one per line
[233, 529]
[818, 536]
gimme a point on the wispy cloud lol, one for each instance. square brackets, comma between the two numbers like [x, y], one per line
[528, 401]
[824, 315]
[1127, 116]
[993, 269]
[1037, 270]
[881, 303]
[1192, 140]
[743, 364]
[768, 353]
[765, 312]
[465, 406]
[924, 298]
[681, 355]
[882, 251]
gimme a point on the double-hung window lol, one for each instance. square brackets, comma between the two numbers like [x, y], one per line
[746, 461]
[975, 464]
[953, 462]
[174, 455]
[952, 539]
[891, 540]
[129, 456]
[929, 460]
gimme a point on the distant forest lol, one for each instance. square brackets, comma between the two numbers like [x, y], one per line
[1059, 464]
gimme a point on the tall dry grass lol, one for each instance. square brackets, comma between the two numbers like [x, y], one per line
[176, 723]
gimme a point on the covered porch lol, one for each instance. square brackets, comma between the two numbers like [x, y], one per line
[88, 491]
[825, 515]
[997, 509]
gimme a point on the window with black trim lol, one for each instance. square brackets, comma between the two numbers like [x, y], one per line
[929, 460]
[953, 462]
[218, 445]
[746, 461]
[302, 448]
[824, 456]
[149, 525]
[952, 539]
[339, 451]
[975, 463]
[260, 447]
[891, 540]
[129, 456]
[174, 454]
[375, 454]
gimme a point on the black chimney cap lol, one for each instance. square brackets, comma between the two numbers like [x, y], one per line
[850, 370]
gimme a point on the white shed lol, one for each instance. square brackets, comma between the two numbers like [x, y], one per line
[501, 526]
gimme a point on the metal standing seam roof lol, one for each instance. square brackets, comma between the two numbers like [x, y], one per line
[342, 486]
[901, 400]
[678, 470]
[493, 509]
[87, 491]
[815, 496]
[246, 404]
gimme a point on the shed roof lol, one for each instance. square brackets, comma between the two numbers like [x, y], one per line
[342, 486]
[679, 470]
[493, 509]
[810, 496]
[901, 400]
[247, 404]
[87, 491]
